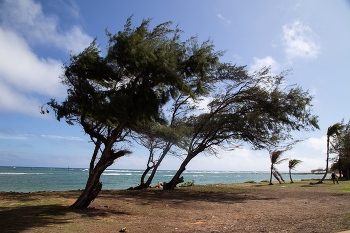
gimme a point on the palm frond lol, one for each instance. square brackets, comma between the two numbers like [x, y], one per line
[293, 163]
[275, 155]
[281, 160]
[334, 129]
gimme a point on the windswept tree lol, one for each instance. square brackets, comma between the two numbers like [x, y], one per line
[167, 136]
[340, 144]
[291, 165]
[125, 91]
[258, 109]
[332, 131]
[275, 158]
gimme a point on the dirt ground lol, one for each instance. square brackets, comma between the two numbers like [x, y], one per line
[298, 207]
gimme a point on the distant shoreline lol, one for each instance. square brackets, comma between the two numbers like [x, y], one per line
[134, 169]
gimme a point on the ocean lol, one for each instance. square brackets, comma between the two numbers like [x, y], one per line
[27, 179]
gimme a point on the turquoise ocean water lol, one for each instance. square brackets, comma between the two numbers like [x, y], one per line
[27, 179]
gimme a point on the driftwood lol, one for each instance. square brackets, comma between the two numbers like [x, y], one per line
[157, 185]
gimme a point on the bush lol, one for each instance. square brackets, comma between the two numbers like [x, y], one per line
[186, 184]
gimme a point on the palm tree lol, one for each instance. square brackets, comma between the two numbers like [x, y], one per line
[332, 130]
[275, 159]
[292, 164]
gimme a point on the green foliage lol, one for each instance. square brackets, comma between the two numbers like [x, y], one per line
[126, 90]
[275, 158]
[143, 68]
[340, 144]
[293, 163]
[250, 182]
[186, 184]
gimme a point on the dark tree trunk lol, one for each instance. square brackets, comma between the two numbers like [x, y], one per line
[271, 176]
[93, 185]
[145, 185]
[92, 188]
[165, 151]
[176, 178]
[325, 174]
[290, 176]
[339, 167]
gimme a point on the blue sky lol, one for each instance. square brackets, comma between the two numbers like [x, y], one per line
[37, 37]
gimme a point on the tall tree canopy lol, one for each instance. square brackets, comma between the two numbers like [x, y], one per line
[340, 144]
[258, 109]
[333, 130]
[125, 90]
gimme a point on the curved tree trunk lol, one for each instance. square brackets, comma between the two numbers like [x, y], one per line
[145, 185]
[93, 185]
[290, 176]
[176, 178]
[271, 177]
[165, 151]
[325, 173]
[92, 188]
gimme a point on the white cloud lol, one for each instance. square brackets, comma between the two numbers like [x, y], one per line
[300, 41]
[25, 76]
[318, 144]
[261, 62]
[69, 138]
[225, 21]
[22, 69]
[28, 18]
[12, 138]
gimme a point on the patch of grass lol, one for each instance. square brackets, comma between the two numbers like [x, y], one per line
[250, 182]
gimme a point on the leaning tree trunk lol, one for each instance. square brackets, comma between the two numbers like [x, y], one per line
[93, 185]
[145, 185]
[92, 188]
[325, 173]
[150, 178]
[271, 176]
[176, 178]
[290, 176]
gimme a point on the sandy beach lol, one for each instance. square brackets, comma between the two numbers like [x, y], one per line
[249, 207]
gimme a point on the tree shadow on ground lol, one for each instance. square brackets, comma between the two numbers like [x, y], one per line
[21, 218]
[179, 197]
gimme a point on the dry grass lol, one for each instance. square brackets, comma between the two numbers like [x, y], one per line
[259, 207]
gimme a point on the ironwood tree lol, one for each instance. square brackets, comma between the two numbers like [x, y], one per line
[258, 109]
[332, 131]
[340, 144]
[125, 91]
[167, 136]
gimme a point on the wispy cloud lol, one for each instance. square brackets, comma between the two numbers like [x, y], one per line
[13, 137]
[28, 18]
[226, 22]
[300, 41]
[62, 137]
[267, 62]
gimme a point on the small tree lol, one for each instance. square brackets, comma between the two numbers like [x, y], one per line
[340, 144]
[257, 109]
[332, 131]
[291, 165]
[275, 158]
